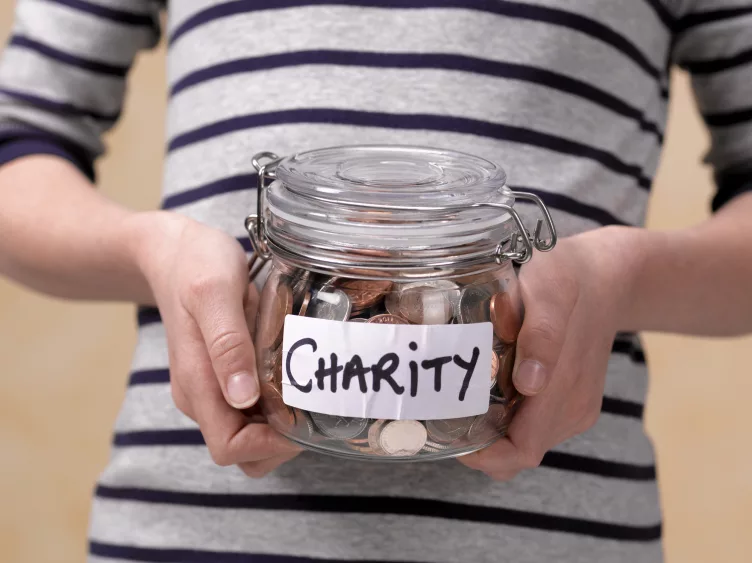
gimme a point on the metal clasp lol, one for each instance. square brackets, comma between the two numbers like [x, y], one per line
[255, 223]
[528, 241]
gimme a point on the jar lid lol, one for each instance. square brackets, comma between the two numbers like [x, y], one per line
[394, 211]
[387, 175]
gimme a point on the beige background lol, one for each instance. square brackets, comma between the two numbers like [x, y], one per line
[63, 368]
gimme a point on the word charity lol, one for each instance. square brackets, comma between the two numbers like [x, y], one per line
[332, 372]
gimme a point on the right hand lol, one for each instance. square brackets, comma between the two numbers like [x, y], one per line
[199, 278]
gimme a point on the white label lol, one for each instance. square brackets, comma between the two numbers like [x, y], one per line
[368, 370]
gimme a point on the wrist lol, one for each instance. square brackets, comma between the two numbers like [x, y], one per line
[150, 237]
[620, 255]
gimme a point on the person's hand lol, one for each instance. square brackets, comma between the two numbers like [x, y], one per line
[573, 298]
[199, 278]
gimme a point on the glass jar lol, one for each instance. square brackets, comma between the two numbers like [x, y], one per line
[390, 312]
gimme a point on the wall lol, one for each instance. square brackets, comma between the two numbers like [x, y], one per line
[63, 369]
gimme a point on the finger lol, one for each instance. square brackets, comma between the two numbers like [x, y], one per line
[257, 469]
[227, 433]
[180, 399]
[219, 308]
[500, 458]
[542, 336]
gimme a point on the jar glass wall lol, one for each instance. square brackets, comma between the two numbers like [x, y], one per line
[492, 296]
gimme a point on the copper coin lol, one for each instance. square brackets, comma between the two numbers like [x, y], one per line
[494, 367]
[403, 437]
[304, 304]
[505, 316]
[504, 378]
[365, 293]
[275, 304]
[277, 412]
[388, 319]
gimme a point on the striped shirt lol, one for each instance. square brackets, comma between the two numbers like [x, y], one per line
[569, 96]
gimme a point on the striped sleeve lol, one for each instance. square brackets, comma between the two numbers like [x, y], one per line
[713, 42]
[63, 74]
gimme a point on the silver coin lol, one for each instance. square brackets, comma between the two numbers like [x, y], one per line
[339, 427]
[403, 437]
[426, 303]
[391, 301]
[303, 425]
[446, 431]
[330, 305]
[489, 425]
[473, 304]
[359, 320]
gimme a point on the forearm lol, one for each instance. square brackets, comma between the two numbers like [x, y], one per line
[693, 281]
[60, 236]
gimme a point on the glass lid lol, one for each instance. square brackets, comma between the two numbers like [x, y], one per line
[396, 206]
[394, 175]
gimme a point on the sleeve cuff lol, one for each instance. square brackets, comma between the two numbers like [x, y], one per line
[25, 145]
[731, 185]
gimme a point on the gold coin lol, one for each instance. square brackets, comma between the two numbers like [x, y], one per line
[374, 437]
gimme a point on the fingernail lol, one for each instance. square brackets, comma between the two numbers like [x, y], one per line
[529, 377]
[242, 390]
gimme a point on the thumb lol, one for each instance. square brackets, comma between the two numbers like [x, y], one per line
[539, 345]
[223, 320]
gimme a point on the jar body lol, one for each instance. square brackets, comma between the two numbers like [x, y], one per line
[489, 297]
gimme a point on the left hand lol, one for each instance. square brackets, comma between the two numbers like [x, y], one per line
[573, 298]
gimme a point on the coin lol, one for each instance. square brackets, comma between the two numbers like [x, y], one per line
[506, 385]
[391, 302]
[365, 293]
[489, 425]
[331, 305]
[424, 303]
[494, 367]
[374, 436]
[505, 317]
[276, 303]
[304, 304]
[300, 288]
[388, 320]
[304, 428]
[473, 304]
[446, 431]
[277, 412]
[359, 320]
[339, 427]
[403, 437]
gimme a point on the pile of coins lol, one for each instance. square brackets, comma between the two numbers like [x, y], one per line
[481, 298]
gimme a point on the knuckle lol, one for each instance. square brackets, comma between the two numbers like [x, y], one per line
[543, 330]
[254, 471]
[220, 454]
[227, 347]
[201, 286]
[531, 460]
[178, 397]
[589, 420]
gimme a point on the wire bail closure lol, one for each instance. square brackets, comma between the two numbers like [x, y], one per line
[506, 250]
